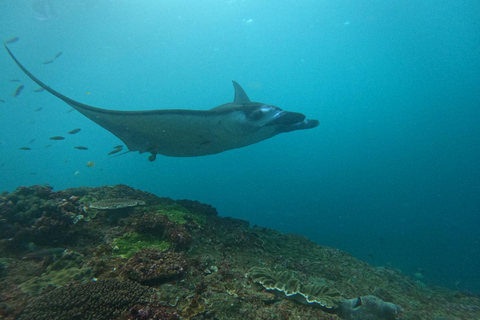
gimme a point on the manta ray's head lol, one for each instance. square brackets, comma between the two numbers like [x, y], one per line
[270, 117]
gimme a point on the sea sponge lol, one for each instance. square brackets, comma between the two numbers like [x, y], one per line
[368, 308]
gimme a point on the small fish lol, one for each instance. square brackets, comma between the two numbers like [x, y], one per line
[1, 100]
[38, 109]
[32, 141]
[44, 253]
[115, 151]
[57, 138]
[14, 80]
[33, 173]
[74, 131]
[12, 40]
[39, 90]
[118, 147]
[25, 148]
[90, 164]
[18, 90]
[47, 146]
[81, 148]
[70, 110]
[57, 55]
[47, 61]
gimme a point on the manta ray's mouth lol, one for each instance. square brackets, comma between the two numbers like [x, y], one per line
[286, 118]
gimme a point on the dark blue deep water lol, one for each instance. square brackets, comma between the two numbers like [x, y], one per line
[391, 175]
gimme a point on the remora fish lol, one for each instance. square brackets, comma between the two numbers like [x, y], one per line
[57, 55]
[81, 148]
[190, 133]
[57, 138]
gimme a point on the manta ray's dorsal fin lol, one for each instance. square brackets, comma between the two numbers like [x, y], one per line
[240, 95]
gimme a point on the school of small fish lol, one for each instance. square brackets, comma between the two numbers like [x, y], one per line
[19, 89]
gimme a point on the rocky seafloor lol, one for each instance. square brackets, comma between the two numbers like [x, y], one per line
[120, 253]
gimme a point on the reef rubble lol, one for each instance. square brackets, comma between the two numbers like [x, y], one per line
[114, 252]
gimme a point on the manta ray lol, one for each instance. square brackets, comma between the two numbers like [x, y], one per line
[190, 133]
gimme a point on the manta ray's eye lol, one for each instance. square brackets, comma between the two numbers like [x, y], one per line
[256, 114]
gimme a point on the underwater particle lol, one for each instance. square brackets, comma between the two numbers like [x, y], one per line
[18, 90]
[47, 146]
[113, 204]
[47, 61]
[39, 90]
[70, 110]
[38, 109]
[88, 93]
[57, 55]
[25, 148]
[81, 148]
[115, 151]
[76, 173]
[1, 100]
[57, 138]
[12, 40]
[74, 131]
[90, 164]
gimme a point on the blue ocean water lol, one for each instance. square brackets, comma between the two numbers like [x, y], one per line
[391, 175]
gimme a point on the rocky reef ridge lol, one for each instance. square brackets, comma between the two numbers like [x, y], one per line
[120, 253]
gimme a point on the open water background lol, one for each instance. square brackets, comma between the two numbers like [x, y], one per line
[391, 175]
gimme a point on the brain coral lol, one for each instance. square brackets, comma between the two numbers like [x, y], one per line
[102, 300]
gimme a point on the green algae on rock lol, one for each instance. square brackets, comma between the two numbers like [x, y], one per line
[181, 215]
[114, 204]
[131, 243]
[285, 285]
[64, 270]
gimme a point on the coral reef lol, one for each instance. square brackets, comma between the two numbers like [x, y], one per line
[285, 285]
[167, 259]
[153, 266]
[131, 243]
[102, 300]
[115, 204]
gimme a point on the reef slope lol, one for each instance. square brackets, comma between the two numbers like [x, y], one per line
[120, 253]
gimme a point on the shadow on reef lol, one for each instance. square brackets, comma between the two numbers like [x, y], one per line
[120, 253]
